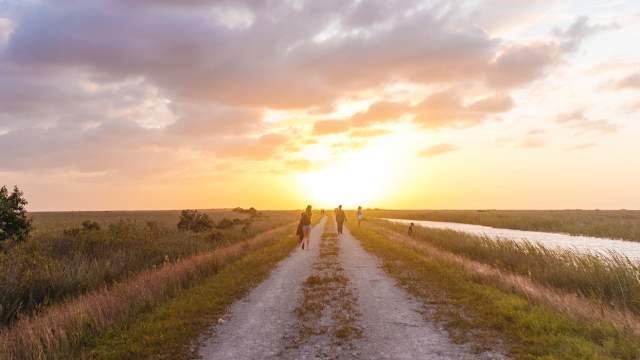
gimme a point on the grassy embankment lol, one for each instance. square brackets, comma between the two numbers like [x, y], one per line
[489, 307]
[62, 260]
[615, 224]
[66, 327]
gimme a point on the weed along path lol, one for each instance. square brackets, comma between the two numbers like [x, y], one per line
[330, 302]
[393, 323]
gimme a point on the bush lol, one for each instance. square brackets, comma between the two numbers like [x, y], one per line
[225, 224]
[14, 224]
[89, 225]
[194, 221]
[250, 211]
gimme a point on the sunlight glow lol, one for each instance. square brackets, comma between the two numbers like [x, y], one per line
[355, 179]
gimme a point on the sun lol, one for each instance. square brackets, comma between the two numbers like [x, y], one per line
[355, 179]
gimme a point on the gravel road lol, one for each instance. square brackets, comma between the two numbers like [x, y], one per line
[393, 324]
[258, 326]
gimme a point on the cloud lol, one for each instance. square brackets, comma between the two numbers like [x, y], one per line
[574, 35]
[520, 64]
[436, 150]
[261, 148]
[631, 81]
[582, 146]
[579, 121]
[369, 132]
[330, 127]
[380, 111]
[173, 82]
[446, 108]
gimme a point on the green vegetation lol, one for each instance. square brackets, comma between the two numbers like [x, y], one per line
[194, 221]
[474, 309]
[62, 260]
[67, 326]
[611, 280]
[615, 224]
[15, 226]
[166, 331]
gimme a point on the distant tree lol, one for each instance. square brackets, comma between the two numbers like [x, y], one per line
[89, 225]
[194, 221]
[14, 223]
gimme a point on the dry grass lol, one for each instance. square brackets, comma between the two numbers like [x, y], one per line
[609, 279]
[54, 265]
[615, 224]
[63, 326]
[490, 309]
[571, 304]
[328, 305]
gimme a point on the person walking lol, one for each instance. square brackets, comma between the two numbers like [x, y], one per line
[410, 230]
[304, 228]
[360, 215]
[340, 218]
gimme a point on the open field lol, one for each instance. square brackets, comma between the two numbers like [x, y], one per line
[62, 260]
[63, 329]
[477, 307]
[615, 224]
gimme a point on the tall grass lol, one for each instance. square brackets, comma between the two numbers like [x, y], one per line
[615, 224]
[610, 279]
[55, 265]
[64, 326]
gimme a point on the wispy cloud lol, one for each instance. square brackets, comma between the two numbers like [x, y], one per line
[438, 149]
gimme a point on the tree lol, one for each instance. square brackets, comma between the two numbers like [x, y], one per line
[14, 223]
[194, 221]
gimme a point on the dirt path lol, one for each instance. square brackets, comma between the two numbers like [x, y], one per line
[331, 302]
[394, 325]
[258, 326]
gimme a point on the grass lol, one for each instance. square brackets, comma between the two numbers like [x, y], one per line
[475, 309]
[55, 265]
[328, 306]
[615, 224]
[168, 331]
[64, 326]
[611, 280]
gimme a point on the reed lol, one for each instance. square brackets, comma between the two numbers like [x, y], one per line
[610, 279]
[614, 224]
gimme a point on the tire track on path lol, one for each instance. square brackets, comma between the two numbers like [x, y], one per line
[259, 326]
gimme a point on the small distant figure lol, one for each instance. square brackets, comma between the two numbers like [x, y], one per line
[304, 228]
[360, 215]
[322, 212]
[410, 231]
[340, 218]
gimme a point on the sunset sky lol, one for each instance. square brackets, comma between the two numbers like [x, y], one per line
[164, 104]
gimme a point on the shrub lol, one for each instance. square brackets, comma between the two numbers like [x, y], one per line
[194, 221]
[225, 224]
[14, 224]
[89, 225]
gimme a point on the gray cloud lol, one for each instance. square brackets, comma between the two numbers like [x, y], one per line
[84, 83]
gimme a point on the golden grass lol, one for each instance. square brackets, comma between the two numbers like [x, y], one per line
[63, 326]
[571, 304]
[488, 309]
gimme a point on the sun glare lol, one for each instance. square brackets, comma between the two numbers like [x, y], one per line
[356, 179]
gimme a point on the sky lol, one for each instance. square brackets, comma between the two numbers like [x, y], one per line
[479, 104]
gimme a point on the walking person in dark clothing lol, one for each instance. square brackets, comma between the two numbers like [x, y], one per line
[410, 230]
[340, 218]
[304, 227]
